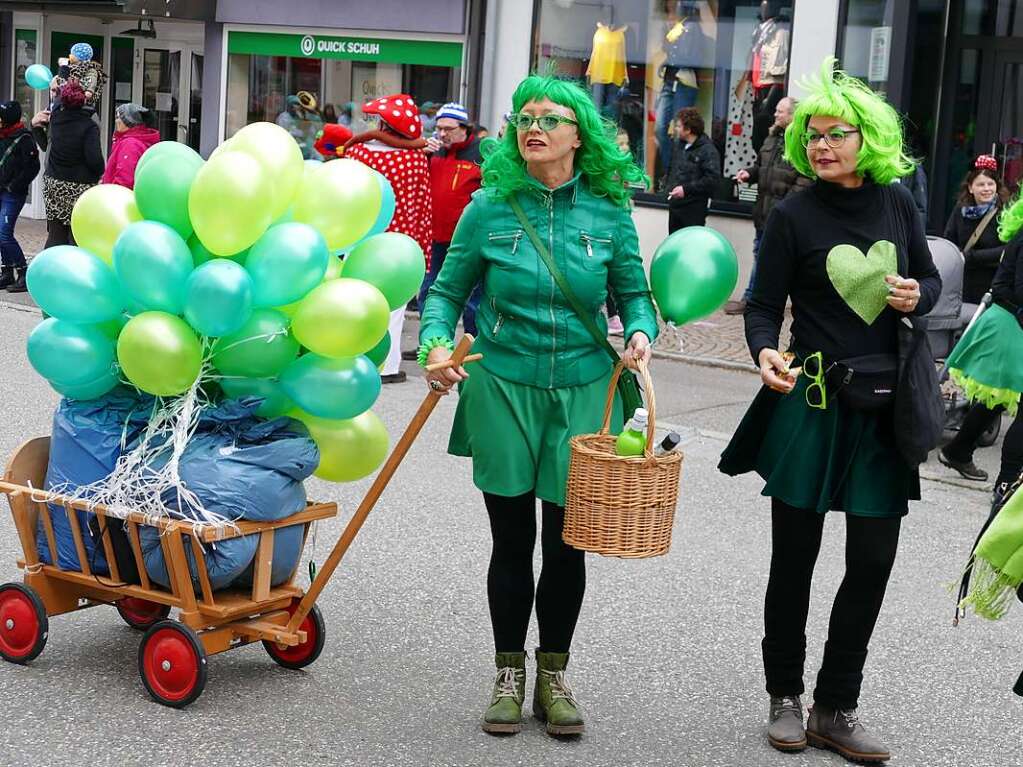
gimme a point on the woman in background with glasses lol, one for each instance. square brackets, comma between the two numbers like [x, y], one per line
[851, 254]
[543, 377]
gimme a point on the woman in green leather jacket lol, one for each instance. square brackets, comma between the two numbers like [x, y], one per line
[543, 377]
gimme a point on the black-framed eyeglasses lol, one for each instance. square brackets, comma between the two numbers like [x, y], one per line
[449, 128]
[834, 137]
[523, 122]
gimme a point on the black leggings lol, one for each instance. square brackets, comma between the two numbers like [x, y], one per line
[870, 549]
[976, 422]
[559, 593]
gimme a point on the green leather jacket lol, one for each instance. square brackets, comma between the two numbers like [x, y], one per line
[528, 331]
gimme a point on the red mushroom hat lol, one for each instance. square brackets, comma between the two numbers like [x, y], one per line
[399, 112]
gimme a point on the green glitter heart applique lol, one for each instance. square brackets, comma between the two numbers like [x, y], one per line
[859, 279]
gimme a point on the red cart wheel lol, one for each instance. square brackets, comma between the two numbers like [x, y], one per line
[24, 626]
[140, 613]
[172, 663]
[302, 655]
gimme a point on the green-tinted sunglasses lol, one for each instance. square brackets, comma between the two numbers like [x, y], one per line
[523, 122]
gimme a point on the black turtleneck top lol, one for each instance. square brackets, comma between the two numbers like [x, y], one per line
[838, 292]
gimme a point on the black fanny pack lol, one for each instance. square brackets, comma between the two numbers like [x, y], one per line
[864, 383]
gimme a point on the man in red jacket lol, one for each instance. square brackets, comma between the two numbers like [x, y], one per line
[454, 176]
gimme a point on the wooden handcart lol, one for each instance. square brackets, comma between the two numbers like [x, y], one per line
[173, 653]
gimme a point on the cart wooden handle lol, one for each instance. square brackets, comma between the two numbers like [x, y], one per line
[375, 491]
[450, 363]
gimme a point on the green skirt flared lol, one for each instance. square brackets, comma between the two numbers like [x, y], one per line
[839, 459]
[988, 361]
[517, 435]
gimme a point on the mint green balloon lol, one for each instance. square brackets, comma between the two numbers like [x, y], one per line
[261, 348]
[90, 389]
[200, 255]
[275, 401]
[378, 354]
[159, 353]
[218, 298]
[153, 264]
[332, 388]
[70, 354]
[161, 190]
[286, 263]
[181, 153]
[70, 283]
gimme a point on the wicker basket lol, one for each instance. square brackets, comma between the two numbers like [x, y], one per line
[616, 506]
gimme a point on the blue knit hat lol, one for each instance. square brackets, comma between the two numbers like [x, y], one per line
[454, 111]
[82, 51]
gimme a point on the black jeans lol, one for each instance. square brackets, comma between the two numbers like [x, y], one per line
[870, 549]
[559, 593]
[692, 214]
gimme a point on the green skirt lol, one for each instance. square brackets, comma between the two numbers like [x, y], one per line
[988, 361]
[839, 459]
[517, 435]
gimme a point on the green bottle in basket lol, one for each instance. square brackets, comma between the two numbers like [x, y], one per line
[632, 441]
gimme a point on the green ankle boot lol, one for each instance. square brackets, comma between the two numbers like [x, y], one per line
[553, 701]
[504, 716]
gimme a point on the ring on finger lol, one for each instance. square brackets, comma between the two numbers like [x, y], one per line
[436, 385]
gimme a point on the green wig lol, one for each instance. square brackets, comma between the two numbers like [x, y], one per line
[1011, 220]
[607, 168]
[834, 93]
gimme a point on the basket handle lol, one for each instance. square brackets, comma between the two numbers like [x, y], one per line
[651, 406]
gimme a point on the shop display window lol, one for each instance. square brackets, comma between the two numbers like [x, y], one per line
[644, 60]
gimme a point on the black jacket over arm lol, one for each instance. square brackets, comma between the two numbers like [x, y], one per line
[828, 223]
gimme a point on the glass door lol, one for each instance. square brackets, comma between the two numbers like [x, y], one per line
[161, 91]
[195, 101]
[1005, 121]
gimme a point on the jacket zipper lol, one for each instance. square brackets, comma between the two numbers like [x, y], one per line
[554, 321]
[454, 183]
[516, 238]
[590, 239]
[500, 317]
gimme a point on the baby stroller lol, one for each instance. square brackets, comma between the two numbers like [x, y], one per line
[946, 324]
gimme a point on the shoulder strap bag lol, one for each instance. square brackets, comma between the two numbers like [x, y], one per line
[628, 388]
[980, 229]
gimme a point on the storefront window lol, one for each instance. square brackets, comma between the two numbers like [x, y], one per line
[644, 60]
[866, 41]
[328, 79]
[1001, 18]
[24, 57]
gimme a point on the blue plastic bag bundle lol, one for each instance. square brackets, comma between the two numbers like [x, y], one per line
[241, 466]
[84, 447]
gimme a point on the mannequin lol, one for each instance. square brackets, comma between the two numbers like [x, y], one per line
[607, 67]
[685, 47]
[768, 67]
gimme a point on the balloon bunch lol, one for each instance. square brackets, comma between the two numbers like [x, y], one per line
[229, 271]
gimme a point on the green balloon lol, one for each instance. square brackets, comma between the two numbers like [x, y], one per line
[161, 191]
[341, 318]
[159, 353]
[69, 354]
[262, 348]
[350, 449]
[393, 262]
[334, 266]
[181, 153]
[99, 217]
[693, 273]
[281, 158]
[200, 255]
[378, 354]
[332, 388]
[230, 203]
[341, 199]
[90, 389]
[275, 401]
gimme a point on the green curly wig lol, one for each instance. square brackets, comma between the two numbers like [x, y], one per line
[607, 169]
[834, 93]
[1011, 220]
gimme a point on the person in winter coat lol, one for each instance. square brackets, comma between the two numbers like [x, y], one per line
[74, 162]
[454, 175]
[695, 168]
[132, 137]
[776, 179]
[543, 377]
[395, 150]
[19, 164]
[973, 226]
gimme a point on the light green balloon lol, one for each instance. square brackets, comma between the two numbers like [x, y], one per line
[391, 261]
[200, 255]
[342, 199]
[159, 353]
[349, 449]
[99, 217]
[230, 203]
[341, 318]
[280, 156]
[262, 348]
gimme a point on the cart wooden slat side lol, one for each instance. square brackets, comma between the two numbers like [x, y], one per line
[222, 619]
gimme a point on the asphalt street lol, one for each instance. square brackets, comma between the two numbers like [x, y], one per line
[667, 655]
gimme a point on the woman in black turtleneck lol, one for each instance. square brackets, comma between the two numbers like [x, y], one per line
[851, 254]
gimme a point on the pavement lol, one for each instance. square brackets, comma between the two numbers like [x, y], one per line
[666, 660]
